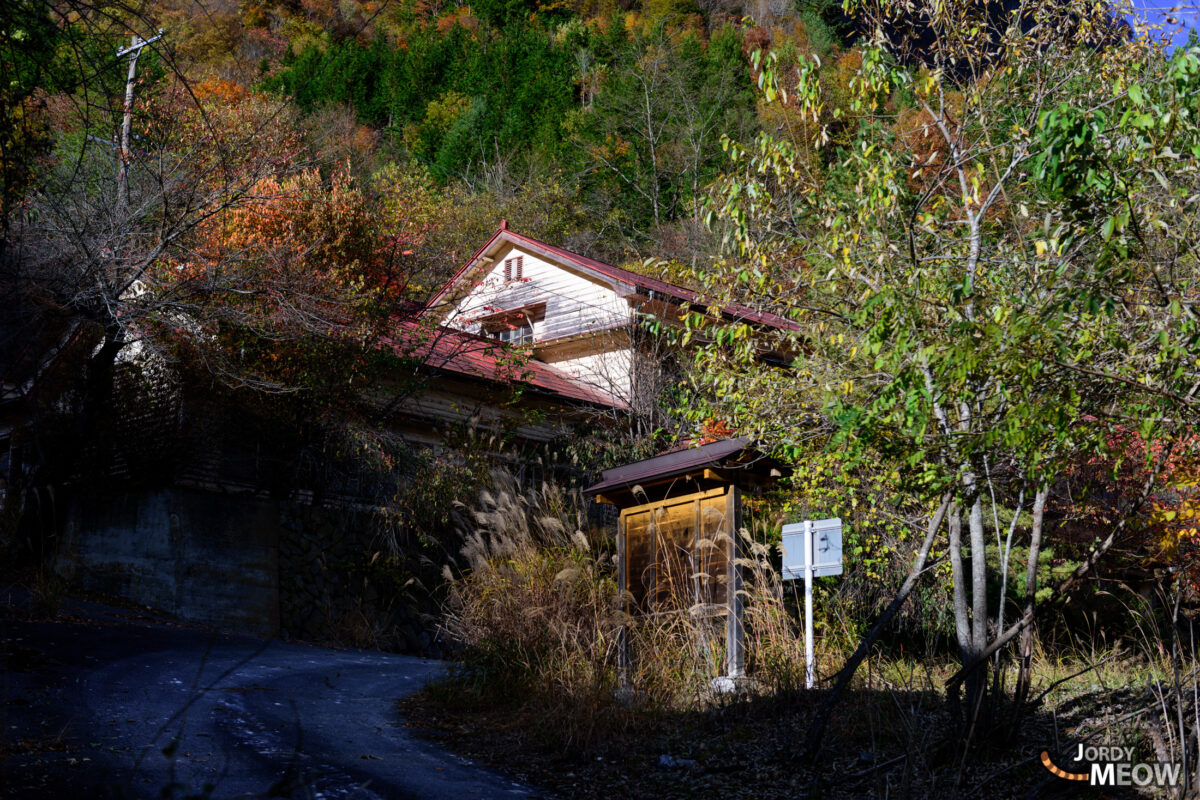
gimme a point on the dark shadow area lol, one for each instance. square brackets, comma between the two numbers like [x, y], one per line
[895, 743]
[107, 702]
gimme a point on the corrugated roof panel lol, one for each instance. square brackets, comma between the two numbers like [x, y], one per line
[668, 465]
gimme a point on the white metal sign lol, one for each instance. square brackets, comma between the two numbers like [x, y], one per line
[811, 549]
[826, 550]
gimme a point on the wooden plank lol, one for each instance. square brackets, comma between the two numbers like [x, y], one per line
[622, 563]
[719, 491]
[624, 654]
[677, 553]
[639, 557]
[713, 538]
[674, 530]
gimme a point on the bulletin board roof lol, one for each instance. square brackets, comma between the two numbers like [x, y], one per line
[736, 457]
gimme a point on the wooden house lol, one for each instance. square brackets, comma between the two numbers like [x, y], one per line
[578, 316]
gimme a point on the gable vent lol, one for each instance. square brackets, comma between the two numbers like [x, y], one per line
[514, 268]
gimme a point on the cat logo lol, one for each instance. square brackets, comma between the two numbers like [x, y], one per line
[1071, 776]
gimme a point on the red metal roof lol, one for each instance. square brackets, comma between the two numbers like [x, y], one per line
[488, 359]
[731, 311]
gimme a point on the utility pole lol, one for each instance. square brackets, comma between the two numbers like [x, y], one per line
[133, 51]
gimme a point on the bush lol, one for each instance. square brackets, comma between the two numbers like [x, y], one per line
[535, 606]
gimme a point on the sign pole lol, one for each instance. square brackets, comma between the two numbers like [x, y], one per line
[808, 604]
[803, 544]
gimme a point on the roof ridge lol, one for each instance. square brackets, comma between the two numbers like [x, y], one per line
[736, 311]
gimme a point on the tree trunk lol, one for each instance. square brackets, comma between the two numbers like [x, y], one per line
[1025, 664]
[126, 154]
[817, 730]
[977, 684]
[962, 621]
[652, 143]
[1065, 586]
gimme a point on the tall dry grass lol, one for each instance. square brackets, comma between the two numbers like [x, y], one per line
[534, 606]
[1165, 725]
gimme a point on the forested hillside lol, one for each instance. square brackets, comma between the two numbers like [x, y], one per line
[620, 110]
[292, 178]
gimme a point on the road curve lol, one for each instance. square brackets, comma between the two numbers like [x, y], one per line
[129, 707]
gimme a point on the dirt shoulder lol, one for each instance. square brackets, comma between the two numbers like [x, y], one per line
[882, 743]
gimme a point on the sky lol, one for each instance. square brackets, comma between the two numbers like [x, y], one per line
[1185, 13]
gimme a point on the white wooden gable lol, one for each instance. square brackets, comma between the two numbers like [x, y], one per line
[575, 317]
[574, 311]
[560, 301]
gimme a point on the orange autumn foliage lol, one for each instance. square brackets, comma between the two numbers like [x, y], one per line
[1165, 533]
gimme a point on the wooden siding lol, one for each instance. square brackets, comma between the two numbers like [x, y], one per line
[639, 572]
[609, 372]
[569, 306]
[575, 305]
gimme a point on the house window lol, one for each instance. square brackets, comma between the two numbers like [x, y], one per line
[518, 331]
[513, 327]
[514, 268]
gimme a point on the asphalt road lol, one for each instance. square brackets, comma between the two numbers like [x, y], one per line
[114, 704]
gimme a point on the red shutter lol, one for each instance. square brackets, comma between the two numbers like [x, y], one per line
[508, 270]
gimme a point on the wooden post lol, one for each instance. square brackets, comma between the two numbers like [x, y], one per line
[624, 656]
[734, 632]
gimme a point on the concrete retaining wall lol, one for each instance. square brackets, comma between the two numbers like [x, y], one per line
[198, 555]
[247, 564]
